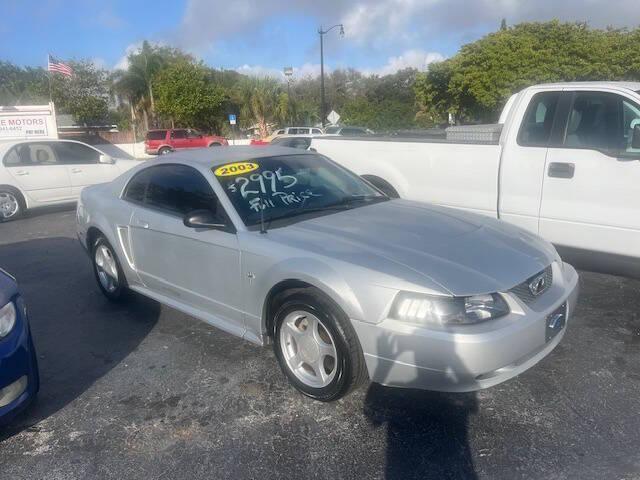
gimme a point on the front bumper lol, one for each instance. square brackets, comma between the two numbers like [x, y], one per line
[19, 378]
[470, 357]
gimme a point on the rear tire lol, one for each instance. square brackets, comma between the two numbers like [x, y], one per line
[164, 151]
[215, 144]
[12, 204]
[316, 346]
[107, 270]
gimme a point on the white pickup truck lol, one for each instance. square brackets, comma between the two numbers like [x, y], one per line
[563, 162]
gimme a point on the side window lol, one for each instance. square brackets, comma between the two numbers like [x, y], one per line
[280, 132]
[536, 126]
[17, 156]
[316, 131]
[303, 131]
[179, 189]
[301, 143]
[193, 134]
[137, 186]
[292, 131]
[595, 122]
[40, 154]
[630, 118]
[75, 153]
[353, 132]
[179, 134]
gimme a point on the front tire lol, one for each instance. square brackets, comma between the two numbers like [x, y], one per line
[164, 151]
[316, 347]
[107, 270]
[12, 205]
[215, 144]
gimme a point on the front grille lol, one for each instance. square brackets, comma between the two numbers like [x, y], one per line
[523, 291]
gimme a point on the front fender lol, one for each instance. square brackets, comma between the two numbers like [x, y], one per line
[308, 270]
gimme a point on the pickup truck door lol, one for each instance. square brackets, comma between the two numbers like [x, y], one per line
[591, 196]
[197, 268]
[523, 160]
[38, 172]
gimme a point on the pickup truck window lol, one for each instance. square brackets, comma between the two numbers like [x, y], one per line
[602, 121]
[594, 122]
[538, 120]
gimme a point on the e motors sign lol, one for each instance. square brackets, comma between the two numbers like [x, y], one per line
[28, 121]
[23, 126]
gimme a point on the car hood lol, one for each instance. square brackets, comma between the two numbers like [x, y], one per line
[449, 250]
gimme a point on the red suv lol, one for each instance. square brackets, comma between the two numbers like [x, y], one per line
[165, 141]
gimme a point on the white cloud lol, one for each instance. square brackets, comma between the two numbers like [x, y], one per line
[123, 63]
[401, 23]
[305, 70]
[418, 59]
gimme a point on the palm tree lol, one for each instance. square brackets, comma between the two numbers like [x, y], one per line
[136, 82]
[259, 101]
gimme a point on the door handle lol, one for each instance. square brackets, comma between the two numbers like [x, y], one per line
[561, 170]
[142, 224]
[76, 170]
[22, 172]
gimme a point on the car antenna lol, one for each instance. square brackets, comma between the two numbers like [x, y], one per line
[262, 207]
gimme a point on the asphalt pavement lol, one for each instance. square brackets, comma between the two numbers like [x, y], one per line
[142, 391]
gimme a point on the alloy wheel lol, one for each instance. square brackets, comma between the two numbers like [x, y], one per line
[308, 349]
[106, 268]
[9, 205]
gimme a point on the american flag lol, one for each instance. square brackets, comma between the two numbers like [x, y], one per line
[56, 65]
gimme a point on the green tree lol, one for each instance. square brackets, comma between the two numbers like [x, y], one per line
[476, 82]
[187, 95]
[259, 99]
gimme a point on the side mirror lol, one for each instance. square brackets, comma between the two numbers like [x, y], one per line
[203, 219]
[635, 138]
[106, 159]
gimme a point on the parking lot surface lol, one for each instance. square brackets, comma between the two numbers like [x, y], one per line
[141, 391]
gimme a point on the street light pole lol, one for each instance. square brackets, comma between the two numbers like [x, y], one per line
[322, 33]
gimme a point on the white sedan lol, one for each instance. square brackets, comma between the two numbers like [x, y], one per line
[35, 173]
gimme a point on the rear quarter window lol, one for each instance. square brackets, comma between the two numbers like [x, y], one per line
[157, 135]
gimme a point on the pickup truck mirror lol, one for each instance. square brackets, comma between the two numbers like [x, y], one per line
[635, 137]
[203, 219]
[106, 159]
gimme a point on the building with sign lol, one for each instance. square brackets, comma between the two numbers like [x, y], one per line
[28, 121]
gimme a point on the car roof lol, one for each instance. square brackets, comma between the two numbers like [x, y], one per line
[210, 157]
[6, 145]
[594, 84]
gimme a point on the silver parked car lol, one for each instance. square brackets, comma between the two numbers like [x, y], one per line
[286, 247]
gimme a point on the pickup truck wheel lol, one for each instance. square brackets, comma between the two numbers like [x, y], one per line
[164, 151]
[215, 144]
[317, 348]
[108, 271]
[12, 205]
[382, 185]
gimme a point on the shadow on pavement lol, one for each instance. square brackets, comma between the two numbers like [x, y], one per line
[426, 432]
[79, 335]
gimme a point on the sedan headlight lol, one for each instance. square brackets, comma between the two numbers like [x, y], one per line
[432, 310]
[7, 319]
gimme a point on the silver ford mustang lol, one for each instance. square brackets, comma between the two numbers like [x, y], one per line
[282, 246]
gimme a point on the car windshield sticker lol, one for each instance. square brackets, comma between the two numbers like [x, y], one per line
[236, 168]
[268, 189]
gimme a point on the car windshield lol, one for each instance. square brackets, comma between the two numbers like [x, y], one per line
[292, 186]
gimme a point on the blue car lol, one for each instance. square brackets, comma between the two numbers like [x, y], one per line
[19, 379]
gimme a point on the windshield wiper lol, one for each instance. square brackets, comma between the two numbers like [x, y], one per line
[298, 211]
[345, 204]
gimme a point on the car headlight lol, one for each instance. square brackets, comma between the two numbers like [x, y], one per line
[432, 310]
[7, 319]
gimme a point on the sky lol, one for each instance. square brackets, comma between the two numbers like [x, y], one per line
[261, 37]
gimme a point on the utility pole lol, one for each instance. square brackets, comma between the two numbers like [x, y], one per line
[322, 33]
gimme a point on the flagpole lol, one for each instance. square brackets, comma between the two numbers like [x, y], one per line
[49, 72]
